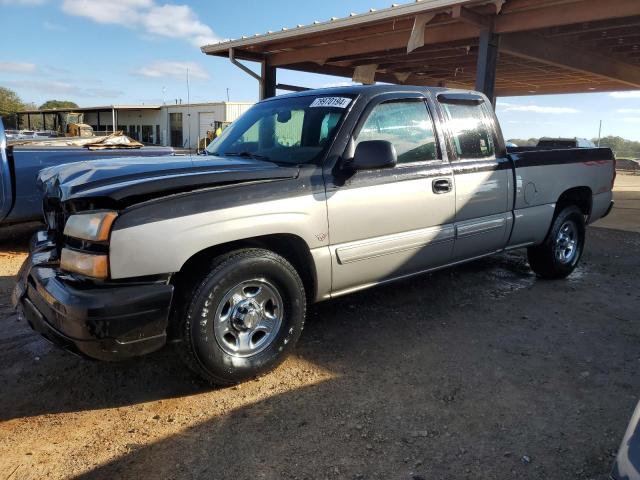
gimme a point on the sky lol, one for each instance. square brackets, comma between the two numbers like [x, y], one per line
[103, 52]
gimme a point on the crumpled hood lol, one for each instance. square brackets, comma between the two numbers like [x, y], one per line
[119, 179]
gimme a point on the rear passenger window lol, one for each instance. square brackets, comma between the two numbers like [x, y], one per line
[471, 136]
[407, 125]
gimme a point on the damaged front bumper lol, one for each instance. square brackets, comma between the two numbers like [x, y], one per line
[100, 320]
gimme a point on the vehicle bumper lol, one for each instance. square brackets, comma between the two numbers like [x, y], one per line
[104, 321]
[601, 206]
[609, 208]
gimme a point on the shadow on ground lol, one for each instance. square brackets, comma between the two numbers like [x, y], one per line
[457, 374]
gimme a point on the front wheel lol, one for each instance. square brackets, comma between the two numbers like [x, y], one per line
[560, 253]
[246, 314]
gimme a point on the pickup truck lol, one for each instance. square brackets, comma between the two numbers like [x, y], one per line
[20, 199]
[306, 197]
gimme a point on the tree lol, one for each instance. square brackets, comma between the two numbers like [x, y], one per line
[10, 102]
[521, 142]
[621, 147]
[57, 104]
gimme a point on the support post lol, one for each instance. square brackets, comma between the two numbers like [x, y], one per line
[268, 81]
[487, 62]
[113, 119]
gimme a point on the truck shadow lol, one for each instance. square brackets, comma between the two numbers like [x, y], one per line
[60, 382]
[425, 379]
[439, 373]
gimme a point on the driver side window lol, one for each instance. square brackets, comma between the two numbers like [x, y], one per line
[407, 125]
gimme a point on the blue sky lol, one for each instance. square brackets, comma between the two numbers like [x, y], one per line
[98, 52]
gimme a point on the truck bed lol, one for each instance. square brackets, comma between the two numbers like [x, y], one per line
[547, 155]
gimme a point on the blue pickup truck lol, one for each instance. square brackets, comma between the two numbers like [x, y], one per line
[20, 198]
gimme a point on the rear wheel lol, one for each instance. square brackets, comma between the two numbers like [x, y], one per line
[560, 253]
[243, 318]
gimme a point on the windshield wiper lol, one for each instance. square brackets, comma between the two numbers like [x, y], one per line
[246, 154]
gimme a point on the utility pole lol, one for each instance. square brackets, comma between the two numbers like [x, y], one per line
[227, 94]
[188, 111]
[599, 133]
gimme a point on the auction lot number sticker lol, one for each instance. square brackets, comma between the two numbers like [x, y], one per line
[336, 102]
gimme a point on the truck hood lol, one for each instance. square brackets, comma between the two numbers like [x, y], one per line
[149, 177]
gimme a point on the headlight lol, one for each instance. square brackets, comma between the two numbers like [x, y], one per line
[89, 264]
[94, 226]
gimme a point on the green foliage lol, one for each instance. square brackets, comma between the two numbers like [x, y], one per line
[49, 104]
[521, 142]
[10, 102]
[622, 147]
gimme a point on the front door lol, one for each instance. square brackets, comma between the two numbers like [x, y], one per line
[387, 223]
[175, 129]
[482, 179]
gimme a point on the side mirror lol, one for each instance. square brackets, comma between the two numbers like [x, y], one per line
[373, 155]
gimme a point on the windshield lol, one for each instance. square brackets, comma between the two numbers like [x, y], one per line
[293, 130]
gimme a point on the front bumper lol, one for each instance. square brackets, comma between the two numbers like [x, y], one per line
[104, 321]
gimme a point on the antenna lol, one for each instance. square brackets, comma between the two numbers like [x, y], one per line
[188, 111]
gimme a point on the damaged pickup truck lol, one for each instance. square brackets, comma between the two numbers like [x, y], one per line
[306, 197]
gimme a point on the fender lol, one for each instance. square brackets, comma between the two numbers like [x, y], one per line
[160, 237]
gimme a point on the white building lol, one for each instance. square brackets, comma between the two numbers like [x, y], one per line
[176, 125]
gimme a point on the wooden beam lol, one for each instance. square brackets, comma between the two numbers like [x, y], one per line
[469, 16]
[438, 33]
[538, 48]
[564, 14]
[509, 21]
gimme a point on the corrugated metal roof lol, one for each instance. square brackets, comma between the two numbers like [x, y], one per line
[354, 19]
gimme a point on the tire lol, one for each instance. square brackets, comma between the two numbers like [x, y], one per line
[243, 317]
[560, 252]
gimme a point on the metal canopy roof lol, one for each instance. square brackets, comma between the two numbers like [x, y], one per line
[545, 46]
[105, 108]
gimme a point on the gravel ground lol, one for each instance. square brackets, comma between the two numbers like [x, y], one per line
[481, 371]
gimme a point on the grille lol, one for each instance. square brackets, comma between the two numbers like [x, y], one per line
[55, 218]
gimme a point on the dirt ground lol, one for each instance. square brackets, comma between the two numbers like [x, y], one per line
[480, 372]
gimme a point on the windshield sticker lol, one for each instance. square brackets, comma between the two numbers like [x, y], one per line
[337, 102]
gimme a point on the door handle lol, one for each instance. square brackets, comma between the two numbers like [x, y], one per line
[442, 185]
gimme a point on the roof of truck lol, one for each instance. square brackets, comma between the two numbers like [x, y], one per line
[370, 91]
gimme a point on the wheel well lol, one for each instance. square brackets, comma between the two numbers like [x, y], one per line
[581, 197]
[291, 247]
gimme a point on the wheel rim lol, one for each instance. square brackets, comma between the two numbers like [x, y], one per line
[566, 243]
[248, 318]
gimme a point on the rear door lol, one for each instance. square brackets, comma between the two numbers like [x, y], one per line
[482, 177]
[388, 223]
